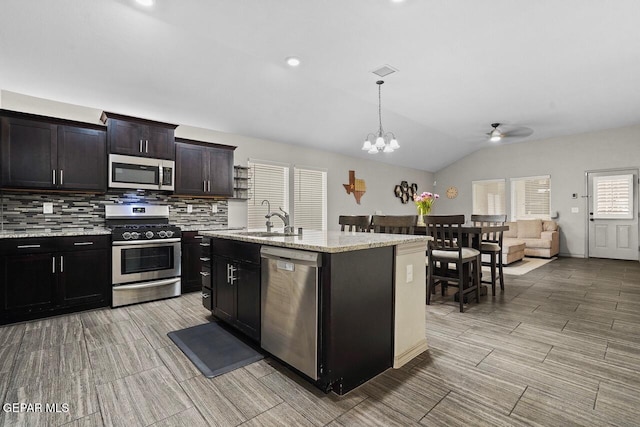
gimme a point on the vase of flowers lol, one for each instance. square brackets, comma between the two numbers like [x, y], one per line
[424, 202]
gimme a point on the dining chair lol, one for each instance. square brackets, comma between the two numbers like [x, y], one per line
[396, 224]
[360, 223]
[445, 248]
[491, 244]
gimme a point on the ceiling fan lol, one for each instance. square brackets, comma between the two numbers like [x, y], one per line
[501, 131]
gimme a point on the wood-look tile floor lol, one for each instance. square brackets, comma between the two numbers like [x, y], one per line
[561, 346]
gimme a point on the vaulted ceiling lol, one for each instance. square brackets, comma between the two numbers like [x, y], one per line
[558, 67]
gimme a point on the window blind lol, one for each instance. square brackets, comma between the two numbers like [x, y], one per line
[270, 182]
[310, 198]
[530, 197]
[613, 197]
[489, 197]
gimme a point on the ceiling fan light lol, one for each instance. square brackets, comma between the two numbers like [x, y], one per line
[394, 144]
[367, 145]
[495, 135]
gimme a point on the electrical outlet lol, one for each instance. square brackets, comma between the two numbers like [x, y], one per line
[189, 208]
[409, 273]
[214, 208]
[47, 208]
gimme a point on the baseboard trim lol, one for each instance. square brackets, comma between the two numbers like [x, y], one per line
[403, 358]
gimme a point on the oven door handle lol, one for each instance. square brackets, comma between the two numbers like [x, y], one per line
[146, 242]
[146, 284]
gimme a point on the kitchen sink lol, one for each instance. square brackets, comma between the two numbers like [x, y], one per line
[265, 233]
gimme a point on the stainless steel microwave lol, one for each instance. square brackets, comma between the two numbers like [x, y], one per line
[141, 173]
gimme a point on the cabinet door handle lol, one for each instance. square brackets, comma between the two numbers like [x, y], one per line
[61, 176]
[140, 150]
[82, 243]
[146, 146]
[205, 296]
[205, 259]
[54, 177]
[28, 246]
[53, 265]
[197, 237]
[205, 244]
[204, 274]
[204, 186]
[209, 186]
[230, 277]
[61, 264]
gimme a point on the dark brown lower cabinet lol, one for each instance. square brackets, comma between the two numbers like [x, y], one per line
[191, 262]
[235, 285]
[43, 277]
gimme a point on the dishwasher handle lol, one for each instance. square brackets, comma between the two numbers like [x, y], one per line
[294, 256]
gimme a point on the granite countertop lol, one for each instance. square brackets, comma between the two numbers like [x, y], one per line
[12, 234]
[207, 227]
[323, 241]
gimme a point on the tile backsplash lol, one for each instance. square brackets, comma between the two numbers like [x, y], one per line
[24, 211]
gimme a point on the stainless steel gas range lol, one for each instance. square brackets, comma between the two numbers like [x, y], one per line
[145, 253]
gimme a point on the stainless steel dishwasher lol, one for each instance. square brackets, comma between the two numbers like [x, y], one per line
[289, 303]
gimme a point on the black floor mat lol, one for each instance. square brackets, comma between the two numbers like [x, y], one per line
[214, 350]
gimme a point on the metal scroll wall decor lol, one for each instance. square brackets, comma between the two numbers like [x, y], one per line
[405, 192]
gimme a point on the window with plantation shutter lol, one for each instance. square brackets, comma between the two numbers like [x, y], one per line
[530, 197]
[269, 181]
[488, 197]
[613, 197]
[310, 198]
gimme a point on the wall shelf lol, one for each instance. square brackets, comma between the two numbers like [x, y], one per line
[241, 183]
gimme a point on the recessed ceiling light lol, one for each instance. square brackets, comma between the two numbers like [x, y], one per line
[147, 3]
[397, 1]
[293, 61]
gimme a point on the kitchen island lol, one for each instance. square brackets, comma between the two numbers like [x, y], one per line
[368, 299]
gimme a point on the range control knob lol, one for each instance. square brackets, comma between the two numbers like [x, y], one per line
[162, 234]
[169, 233]
[126, 235]
[135, 235]
[149, 234]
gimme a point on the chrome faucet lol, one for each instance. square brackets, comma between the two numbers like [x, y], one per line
[268, 215]
[284, 217]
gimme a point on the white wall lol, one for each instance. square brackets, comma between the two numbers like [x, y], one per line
[380, 178]
[565, 159]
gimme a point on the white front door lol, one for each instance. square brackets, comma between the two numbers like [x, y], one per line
[613, 214]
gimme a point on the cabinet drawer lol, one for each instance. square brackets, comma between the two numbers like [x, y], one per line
[205, 277]
[207, 298]
[191, 237]
[84, 242]
[240, 251]
[32, 245]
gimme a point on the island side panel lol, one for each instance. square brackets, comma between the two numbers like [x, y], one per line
[357, 316]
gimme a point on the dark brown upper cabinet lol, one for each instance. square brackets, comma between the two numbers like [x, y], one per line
[203, 169]
[52, 154]
[139, 137]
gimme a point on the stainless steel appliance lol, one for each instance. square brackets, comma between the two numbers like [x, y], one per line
[289, 303]
[141, 173]
[145, 253]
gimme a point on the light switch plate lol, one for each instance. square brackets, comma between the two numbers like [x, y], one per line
[214, 208]
[189, 208]
[575, 210]
[47, 208]
[409, 273]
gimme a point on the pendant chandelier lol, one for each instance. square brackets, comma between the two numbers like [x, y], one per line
[380, 141]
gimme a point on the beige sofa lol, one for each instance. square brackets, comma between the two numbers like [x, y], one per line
[540, 238]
